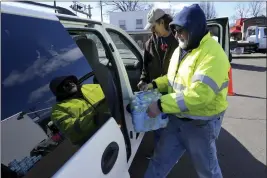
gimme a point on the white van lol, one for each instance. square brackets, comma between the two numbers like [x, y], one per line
[38, 46]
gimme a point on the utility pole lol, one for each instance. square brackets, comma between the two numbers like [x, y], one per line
[81, 8]
[55, 5]
[89, 11]
[101, 11]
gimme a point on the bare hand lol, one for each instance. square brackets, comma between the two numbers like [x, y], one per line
[141, 85]
[153, 110]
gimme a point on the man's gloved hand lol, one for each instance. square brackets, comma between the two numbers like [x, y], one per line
[153, 110]
[143, 86]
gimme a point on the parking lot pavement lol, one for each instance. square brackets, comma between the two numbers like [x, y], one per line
[242, 141]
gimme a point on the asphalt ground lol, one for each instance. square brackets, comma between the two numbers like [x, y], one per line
[242, 141]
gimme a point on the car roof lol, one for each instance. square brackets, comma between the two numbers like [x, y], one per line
[24, 10]
[17, 9]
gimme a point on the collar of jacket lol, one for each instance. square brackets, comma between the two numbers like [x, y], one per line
[205, 38]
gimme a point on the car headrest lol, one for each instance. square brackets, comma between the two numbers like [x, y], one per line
[89, 50]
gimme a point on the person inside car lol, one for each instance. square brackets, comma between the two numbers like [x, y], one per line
[79, 108]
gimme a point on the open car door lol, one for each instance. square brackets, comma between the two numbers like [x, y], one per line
[49, 54]
[219, 29]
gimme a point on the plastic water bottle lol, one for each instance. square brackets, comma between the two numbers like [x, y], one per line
[39, 157]
[19, 171]
[34, 159]
[29, 162]
[144, 106]
[134, 102]
[138, 109]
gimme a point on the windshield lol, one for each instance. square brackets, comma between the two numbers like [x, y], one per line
[251, 32]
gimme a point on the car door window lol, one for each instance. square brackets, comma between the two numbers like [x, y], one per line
[215, 32]
[31, 59]
[130, 56]
[102, 55]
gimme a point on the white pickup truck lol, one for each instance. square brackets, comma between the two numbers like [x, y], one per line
[38, 46]
[255, 41]
[258, 35]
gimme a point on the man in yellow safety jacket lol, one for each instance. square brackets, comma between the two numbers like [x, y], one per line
[76, 113]
[197, 85]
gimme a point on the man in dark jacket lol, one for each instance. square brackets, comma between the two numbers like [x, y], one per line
[158, 49]
[158, 52]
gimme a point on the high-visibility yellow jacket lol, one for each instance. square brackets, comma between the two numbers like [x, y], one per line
[75, 117]
[198, 89]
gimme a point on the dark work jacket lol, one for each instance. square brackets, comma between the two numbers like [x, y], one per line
[156, 61]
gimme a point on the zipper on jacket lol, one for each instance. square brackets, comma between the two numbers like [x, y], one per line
[159, 57]
[180, 61]
[156, 48]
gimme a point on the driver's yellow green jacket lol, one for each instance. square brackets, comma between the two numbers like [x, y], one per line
[198, 89]
[75, 117]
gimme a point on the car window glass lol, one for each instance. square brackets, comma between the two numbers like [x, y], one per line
[251, 32]
[214, 32]
[103, 58]
[31, 59]
[131, 57]
[127, 54]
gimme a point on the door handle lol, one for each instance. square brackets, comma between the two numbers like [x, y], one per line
[109, 157]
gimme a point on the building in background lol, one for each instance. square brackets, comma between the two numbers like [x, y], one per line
[133, 22]
[239, 30]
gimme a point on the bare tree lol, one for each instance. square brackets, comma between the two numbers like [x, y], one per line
[209, 9]
[128, 5]
[242, 11]
[173, 11]
[256, 8]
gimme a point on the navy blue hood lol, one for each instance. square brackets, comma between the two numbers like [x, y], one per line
[56, 82]
[193, 19]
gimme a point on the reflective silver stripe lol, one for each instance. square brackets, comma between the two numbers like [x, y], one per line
[175, 85]
[180, 102]
[178, 86]
[216, 116]
[58, 122]
[208, 81]
[86, 112]
[76, 126]
[224, 85]
[169, 83]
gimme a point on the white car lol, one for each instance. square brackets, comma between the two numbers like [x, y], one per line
[38, 46]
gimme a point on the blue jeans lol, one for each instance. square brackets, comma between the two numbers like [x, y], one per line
[197, 138]
[157, 134]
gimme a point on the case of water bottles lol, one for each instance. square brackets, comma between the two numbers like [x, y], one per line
[23, 166]
[139, 104]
